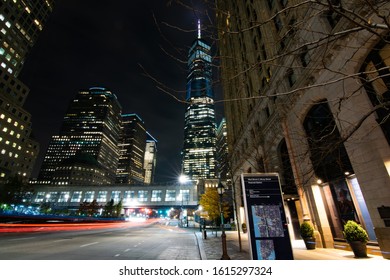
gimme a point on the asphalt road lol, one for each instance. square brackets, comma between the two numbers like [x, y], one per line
[137, 241]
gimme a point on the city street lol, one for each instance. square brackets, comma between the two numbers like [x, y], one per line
[135, 241]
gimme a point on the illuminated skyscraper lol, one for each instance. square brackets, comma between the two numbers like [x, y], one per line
[20, 24]
[92, 127]
[223, 151]
[132, 150]
[150, 158]
[199, 149]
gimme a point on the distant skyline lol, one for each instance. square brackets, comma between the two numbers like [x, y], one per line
[104, 43]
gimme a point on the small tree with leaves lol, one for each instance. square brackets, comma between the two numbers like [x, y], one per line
[118, 208]
[89, 208]
[109, 209]
[93, 208]
[83, 208]
[210, 203]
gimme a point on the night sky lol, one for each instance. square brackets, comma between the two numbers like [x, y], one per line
[108, 43]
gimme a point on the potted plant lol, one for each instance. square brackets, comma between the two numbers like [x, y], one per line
[357, 238]
[244, 229]
[307, 234]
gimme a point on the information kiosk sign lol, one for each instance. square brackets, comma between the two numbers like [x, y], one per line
[266, 219]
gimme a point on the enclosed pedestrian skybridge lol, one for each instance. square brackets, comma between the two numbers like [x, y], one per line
[132, 198]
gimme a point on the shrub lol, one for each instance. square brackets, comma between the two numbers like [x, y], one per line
[306, 230]
[355, 232]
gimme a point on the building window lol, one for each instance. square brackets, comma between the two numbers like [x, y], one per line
[291, 77]
[129, 196]
[116, 196]
[287, 175]
[64, 196]
[52, 197]
[89, 196]
[184, 197]
[76, 196]
[270, 4]
[304, 56]
[170, 195]
[102, 196]
[156, 195]
[142, 195]
[327, 152]
[283, 3]
[278, 23]
[332, 17]
[40, 197]
[376, 75]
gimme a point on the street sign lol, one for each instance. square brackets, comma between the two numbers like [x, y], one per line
[268, 237]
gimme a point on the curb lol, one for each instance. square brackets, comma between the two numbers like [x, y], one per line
[199, 241]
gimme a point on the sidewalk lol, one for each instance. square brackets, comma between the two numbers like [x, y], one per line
[211, 249]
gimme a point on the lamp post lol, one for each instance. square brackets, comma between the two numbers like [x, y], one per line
[221, 190]
[183, 180]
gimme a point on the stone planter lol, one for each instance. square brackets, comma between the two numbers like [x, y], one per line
[359, 248]
[310, 243]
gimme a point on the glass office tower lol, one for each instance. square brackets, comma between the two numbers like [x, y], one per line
[91, 127]
[150, 158]
[132, 150]
[199, 149]
[20, 24]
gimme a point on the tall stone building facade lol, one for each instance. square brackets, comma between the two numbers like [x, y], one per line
[311, 90]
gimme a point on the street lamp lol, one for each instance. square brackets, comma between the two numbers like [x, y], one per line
[221, 190]
[183, 179]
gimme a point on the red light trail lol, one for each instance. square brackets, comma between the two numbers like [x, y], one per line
[67, 226]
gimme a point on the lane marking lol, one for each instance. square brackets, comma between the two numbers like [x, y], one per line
[89, 244]
[117, 255]
[127, 250]
[22, 238]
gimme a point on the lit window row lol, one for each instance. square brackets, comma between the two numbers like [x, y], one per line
[9, 120]
[14, 145]
[11, 132]
[102, 196]
[10, 154]
[7, 23]
[28, 38]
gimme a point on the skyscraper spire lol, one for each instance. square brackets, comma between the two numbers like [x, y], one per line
[199, 30]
